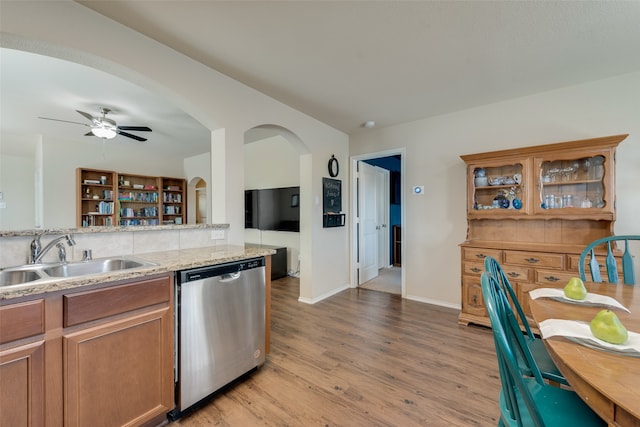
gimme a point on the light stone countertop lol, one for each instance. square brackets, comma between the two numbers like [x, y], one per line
[168, 261]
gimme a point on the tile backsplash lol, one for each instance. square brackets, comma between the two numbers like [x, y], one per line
[14, 250]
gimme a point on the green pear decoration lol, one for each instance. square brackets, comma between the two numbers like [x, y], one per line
[607, 327]
[575, 289]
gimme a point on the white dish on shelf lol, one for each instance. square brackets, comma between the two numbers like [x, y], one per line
[138, 186]
[481, 181]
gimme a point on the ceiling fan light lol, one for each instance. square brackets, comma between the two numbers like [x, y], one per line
[104, 132]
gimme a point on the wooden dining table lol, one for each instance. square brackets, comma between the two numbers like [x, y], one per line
[608, 383]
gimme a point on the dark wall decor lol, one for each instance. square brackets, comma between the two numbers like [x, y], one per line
[333, 166]
[332, 203]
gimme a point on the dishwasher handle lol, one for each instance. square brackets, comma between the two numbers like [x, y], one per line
[229, 277]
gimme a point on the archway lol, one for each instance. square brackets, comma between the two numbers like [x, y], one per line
[273, 163]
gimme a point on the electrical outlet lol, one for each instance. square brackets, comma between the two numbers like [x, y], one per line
[217, 234]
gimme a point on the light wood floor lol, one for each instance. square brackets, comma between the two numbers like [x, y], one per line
[363, 358]
[388, 280]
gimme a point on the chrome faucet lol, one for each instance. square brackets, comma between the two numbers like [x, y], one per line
[37, 251]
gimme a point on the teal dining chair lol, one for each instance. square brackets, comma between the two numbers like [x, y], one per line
[541, 358]
[527, 401]
[610, 264]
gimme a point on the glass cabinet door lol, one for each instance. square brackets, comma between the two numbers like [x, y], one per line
[498, 189]
[575, 186]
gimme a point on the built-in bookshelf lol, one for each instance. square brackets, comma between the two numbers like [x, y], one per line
[173, 201]
[95, 194]
[107, 198]
[138, 197]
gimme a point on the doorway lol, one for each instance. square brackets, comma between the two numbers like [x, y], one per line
[377, 232]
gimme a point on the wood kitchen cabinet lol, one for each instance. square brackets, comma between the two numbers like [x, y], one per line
[22, 364]
[102, 356]
[118, 354]
[534, 209]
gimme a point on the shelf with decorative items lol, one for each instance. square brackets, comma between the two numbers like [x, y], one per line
[95, 191]
[498, 188]
[576, 184]
[138, 200]
[173, 201]
[566, 194]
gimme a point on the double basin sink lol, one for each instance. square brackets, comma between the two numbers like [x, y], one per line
[32, 274]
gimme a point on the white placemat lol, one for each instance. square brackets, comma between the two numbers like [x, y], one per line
[580, 333]
[595, 300]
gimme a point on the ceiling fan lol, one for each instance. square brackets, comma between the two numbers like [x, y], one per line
[105, 128]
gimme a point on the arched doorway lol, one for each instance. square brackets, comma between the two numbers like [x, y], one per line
[273, 163]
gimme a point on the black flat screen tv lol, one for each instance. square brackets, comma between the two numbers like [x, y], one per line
[272, 209]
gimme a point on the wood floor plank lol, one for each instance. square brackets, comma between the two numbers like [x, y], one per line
[363, 358]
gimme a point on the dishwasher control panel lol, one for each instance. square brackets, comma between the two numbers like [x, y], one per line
[220, 270]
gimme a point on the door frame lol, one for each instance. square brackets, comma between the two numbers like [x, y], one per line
[354, 209]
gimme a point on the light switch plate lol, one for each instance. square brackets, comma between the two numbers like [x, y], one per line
[217, 234]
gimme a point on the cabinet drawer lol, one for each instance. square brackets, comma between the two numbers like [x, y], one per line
[516, 273]
[553, 279]
[473, 268]
[574, 261]
[92, 305]
[479, 254]
[535, 259]
[21, 320]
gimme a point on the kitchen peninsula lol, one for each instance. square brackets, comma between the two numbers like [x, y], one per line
[99, 345]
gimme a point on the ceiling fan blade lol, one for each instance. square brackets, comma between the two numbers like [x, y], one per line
[128, 135]
[65, 121]
[86, 115]
[137, 128]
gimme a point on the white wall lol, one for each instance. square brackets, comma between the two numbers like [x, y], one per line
[68, 30]
[59, 172]
[436, 222]
[273, 163]
[17, 183]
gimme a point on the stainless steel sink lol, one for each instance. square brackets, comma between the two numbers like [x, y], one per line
[18, 276]
[96, 266]
[32, 273]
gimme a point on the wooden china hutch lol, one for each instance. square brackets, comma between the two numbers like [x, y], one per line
[534, 209]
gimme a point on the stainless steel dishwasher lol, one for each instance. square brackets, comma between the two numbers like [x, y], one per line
[220, 328]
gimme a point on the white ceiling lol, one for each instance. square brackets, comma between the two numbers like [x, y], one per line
[35, 86]
[346, 62]
[342, 62]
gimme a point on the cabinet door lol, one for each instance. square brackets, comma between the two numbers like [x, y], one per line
[498, 188]
[21, 393]
[575, 185]
[472, 301]
[121, 372]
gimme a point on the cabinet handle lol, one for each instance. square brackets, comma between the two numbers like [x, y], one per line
[475, 299]
[552, 278]
[476, 270]
[481, 256]
[513, 274]
[532, 260]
